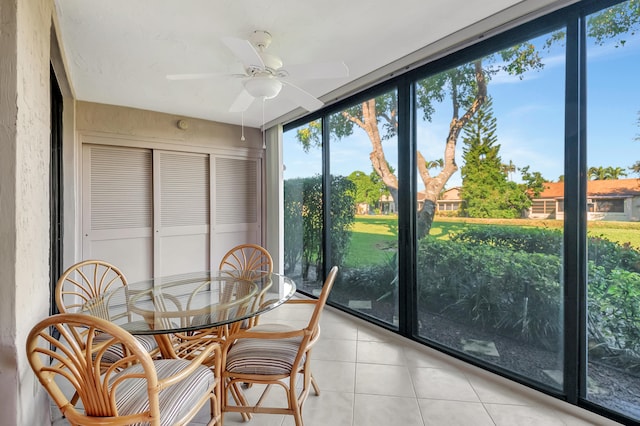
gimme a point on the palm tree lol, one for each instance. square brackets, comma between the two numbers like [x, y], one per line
[606, 173]
[615, 172]
[509, 169]
[435, 163]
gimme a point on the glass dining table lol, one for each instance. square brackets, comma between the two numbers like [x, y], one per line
[189, 302]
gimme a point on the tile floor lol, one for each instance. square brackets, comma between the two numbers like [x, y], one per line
[369, 377]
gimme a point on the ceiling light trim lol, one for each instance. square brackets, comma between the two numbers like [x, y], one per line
[263, 87]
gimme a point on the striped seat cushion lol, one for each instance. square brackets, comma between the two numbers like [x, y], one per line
[264, 356]
[175, 401]
[115, 352]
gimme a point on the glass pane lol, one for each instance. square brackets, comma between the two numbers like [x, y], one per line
[302, 156]
[490, 227]
[364, 220]
[613, 190]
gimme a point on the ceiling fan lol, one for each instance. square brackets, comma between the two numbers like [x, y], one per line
[265, 76]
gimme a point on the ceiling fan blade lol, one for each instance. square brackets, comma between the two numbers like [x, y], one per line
[301, 97]
[242, 103]
[244, 51]
[199, 76]
[319, 70]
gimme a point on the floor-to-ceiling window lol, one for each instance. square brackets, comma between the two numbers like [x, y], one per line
[613, 200]
[490, 135]
[520, 249]
[363, 237]
[303, 206]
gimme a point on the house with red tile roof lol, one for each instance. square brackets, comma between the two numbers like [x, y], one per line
[615, 199]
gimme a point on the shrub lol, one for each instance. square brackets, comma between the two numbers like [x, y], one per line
[530, 240]
[614, 312]
[372, 282]
[601, 251]
[515, 292]
[303, 215]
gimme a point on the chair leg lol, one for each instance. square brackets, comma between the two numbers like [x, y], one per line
[293, 403]
[316, 389]
[239, 399]
[216, 414]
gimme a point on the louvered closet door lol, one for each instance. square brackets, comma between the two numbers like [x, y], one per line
[237, 204]
[182, 213]
[117, 208]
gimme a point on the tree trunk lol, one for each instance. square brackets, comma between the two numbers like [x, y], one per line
[434, 185]
[369, 123]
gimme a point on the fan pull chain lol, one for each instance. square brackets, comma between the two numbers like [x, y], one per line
[242, 136]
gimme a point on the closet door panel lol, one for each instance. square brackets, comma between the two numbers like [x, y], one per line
[237, 209]
[117, 207]
[155, 212]
[181, 212]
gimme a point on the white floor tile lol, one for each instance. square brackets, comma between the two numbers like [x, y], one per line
[453, 413]
[330, 408]
[437, 383]
[366, 333]
[337, 330]
[334, 376]
[390, 380]
[380, 353]
[334, 350]
[492, 392]
[517, 415]
[376, 410]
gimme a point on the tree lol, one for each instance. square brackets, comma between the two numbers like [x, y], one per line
[616, 172]
[606, 173]
[434, 164]
[465, 89]
[509, 169]
[636, 166]
[464, 86]
[533, 181]
[597, 173]
[485, 189]
[367, 190]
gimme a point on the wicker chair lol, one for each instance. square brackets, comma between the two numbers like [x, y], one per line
[134, 389]
[248, 261]
[273, 355]
[82, 286]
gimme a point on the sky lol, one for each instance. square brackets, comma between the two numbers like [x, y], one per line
[530, 121]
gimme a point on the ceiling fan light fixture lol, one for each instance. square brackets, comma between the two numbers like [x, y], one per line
[266, 88]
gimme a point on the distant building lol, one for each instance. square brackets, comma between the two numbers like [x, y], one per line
[615, 199]
[449, 200]
[387, 205]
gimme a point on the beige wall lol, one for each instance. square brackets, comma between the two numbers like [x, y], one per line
[154, 126]
[24, 200]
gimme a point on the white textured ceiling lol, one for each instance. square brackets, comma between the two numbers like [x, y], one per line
[120, 51]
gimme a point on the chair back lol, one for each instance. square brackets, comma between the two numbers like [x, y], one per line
[246, 259]
[314, 321]
[81, 285]
[77, 359]
[249, 261]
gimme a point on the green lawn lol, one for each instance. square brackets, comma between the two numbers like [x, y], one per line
[374, 238]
